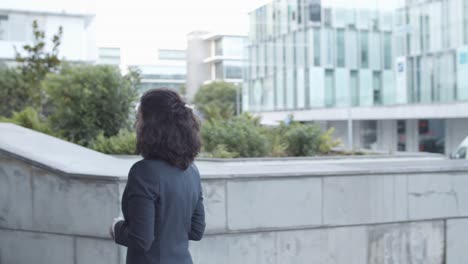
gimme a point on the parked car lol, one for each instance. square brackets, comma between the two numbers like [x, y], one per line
[461, 152]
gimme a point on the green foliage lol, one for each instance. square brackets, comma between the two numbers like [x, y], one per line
[277, 147]
[36, 63]
[216, 100]
[88, 100]
[122, 143]
[221, 152]
[306, 139]
[15, 95]
[29, 118]
[241, 136]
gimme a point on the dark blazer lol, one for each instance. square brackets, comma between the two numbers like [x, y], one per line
[163, 210]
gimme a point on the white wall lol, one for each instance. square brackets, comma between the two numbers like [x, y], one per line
[78, 41]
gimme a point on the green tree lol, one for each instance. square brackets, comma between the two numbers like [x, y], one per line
[216, 100]
[35, 62]
[88, 100]
[14, 93]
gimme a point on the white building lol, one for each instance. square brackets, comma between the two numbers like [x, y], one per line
[109, 56]
[75, 17]
[169, 71]
[214, 57]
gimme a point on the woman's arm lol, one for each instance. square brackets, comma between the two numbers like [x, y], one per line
[138, 230]
[197, 227]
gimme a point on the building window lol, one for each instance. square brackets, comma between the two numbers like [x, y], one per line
[354, 85]
[364, 49]
[377, 86]
[387, 49]
[329, 46]
[401, 132]
[329, 88]
[465, 20]
[431, 135]
[315, 11]
[219, 47]
[317, 47]
[219, 71]
[340, 48]
[3, 27]
[299, 12]
[369, 134]
[427, 33]
[233, 70]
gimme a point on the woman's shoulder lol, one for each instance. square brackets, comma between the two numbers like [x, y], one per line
[144, 170]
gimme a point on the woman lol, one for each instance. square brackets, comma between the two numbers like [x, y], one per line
[162, 203]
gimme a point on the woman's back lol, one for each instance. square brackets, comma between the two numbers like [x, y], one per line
[177, 213]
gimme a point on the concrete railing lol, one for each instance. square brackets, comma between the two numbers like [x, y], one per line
[58, 199]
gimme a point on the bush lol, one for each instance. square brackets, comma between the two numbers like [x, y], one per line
[216, 100]
[307, 139]
[29, 118]
[239, 136]
[15, 95]
[123, 143]
[88, 100]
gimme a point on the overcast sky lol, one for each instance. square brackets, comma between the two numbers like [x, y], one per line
[140, 27]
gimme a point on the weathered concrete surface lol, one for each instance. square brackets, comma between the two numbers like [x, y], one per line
[19, 247]
[89, 250]
[269, 204]
[438, 196]
[407, 243]
[362, 211]
[363, 199]
[16, 201]
[457, 241]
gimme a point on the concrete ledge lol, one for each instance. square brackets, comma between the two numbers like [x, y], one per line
[74, 161]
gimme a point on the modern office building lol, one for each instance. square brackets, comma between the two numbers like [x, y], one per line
[386, 79]
[214, 57]
[169, 71]
[109, 56]
[75, 17]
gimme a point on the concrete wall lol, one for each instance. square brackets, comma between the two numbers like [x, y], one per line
[197, 71]
[376, 211]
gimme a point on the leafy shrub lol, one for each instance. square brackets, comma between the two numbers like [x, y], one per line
[241, 136]
[88, 100]
[29, 118]
[221, 152]
[122, 143]
[307, 139]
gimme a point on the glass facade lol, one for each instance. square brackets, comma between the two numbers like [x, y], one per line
[325, 56]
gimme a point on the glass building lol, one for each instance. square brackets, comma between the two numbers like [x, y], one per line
[397, 69]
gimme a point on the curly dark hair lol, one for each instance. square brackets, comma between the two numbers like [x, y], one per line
[167, 129]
